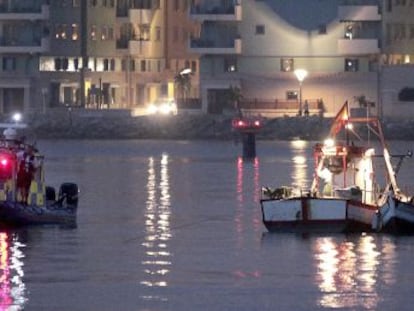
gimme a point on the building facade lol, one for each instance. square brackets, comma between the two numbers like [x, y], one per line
[396, 73]
[118, 54]
[123, 54]
[258, 45]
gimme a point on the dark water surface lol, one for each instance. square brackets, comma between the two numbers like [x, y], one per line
[166, 225]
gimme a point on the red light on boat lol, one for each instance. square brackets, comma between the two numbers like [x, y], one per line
[257, 123]
[240, 123]
[4, 162]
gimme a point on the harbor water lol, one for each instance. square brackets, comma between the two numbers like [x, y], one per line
[176, 225]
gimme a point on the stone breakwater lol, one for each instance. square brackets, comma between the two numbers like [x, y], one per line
[188, 127]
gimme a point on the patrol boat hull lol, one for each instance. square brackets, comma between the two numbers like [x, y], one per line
[60, 211]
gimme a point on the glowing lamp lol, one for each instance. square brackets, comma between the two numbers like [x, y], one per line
[4, 162]
[329, 142]
[349, 126]
[17, 117]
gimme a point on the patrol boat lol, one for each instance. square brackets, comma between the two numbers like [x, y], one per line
[345, 194]
[41, 204]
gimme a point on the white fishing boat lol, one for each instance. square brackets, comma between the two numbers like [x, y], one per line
[346, 193]
[397, 216]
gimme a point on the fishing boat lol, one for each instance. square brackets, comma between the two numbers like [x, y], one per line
[25, 199]
[346, 193]
[397, 216]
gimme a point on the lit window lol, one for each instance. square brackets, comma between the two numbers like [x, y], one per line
[230, 64]
[349, 33]
[286, 64]
[75, 32]
[104, 33]
[292, 95]
[93, 32]
[351, 64]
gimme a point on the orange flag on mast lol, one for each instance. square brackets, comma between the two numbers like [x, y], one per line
[340, 120]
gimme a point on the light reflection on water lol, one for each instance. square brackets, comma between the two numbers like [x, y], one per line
[157, 260]
[12, 287]
[247, 181]
[300, 164]
[349, 272]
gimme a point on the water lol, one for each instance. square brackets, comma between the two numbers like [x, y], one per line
[168, 225]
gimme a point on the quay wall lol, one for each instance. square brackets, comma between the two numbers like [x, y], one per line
[122, 125]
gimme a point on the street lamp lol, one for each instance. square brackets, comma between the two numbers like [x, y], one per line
[185, 71]
[300, 74]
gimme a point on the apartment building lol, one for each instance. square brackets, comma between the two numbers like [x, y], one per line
[396, 73]
[257, 45]
[24, 35]
[118, 54]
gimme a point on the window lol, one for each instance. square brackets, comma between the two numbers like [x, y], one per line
[93, 32]
[176, 5]
[61, 64]
[61, 31]
[75, 3]
[112, 65]
[9, 63]
[75, 32]
[184, 35]
[322, 29]
[193, 66]
[143, 66]
[286, 64]
[260, 29]
[157, 33]
[351, 64]
[292, 95]
[230, 64]
[389, 5]
[406, 94]
[104, 33]
[132, 65]
[175, 33]
[94, 3]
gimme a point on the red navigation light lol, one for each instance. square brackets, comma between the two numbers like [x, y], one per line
[6, 169]
[4, 162]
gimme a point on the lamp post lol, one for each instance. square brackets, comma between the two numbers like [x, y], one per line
[300, 74]
[183, 83]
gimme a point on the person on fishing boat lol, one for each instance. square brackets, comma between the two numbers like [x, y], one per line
[25, 172]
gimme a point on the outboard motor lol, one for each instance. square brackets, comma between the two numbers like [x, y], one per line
[69, 192]
[50, 193]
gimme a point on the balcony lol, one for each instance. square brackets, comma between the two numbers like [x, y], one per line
[205, 47]
[24, 14]
[216, 13]
[360, 13]
[140, 47]
[23, 47]
[358, 46]
[137, 16]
